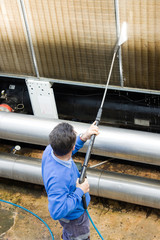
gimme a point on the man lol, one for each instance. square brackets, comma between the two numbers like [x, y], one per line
[60, 177]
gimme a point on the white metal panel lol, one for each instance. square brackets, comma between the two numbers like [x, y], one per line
[42, 99]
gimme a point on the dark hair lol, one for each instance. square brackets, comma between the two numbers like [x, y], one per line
[62, 139]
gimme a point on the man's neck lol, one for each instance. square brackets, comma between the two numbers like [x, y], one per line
[65, 157]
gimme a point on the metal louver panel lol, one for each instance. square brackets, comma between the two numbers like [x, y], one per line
[14, 50]
[141, 53]
[74, 40]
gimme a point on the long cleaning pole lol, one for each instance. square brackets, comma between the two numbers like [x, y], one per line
[121, 40]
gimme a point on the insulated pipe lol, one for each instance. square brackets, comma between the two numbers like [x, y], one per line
[111, 185]
[112, 142]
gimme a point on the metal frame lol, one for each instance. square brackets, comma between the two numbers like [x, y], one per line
[84, 84]
[116, 3]
[24, 18]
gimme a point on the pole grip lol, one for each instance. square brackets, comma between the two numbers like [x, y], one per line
[84, 168]
[98, 117]
[87, 157]
[84, 201]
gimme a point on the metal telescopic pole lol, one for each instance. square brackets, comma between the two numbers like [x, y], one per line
[99, 114]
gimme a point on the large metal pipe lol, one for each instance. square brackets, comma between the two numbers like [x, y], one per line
[111, 142]
[116, 186]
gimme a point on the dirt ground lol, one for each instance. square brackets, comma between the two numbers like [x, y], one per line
[115, 220]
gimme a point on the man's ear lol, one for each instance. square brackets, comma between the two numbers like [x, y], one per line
[73, 148]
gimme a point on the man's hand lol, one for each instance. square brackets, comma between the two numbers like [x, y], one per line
[84, 186]
[93, 129]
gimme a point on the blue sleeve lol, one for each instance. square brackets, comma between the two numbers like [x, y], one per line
[61, 203]
[79, 144]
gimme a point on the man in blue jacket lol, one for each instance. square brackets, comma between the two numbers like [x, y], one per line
[60, 177]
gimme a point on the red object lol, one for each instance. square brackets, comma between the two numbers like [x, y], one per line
[5, 108]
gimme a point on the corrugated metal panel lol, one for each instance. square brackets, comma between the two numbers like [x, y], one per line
[14, 51]
[73, 39]
[141, 53]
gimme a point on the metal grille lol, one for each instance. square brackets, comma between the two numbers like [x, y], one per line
[14, 50]
[141, 53]
[74, 40]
